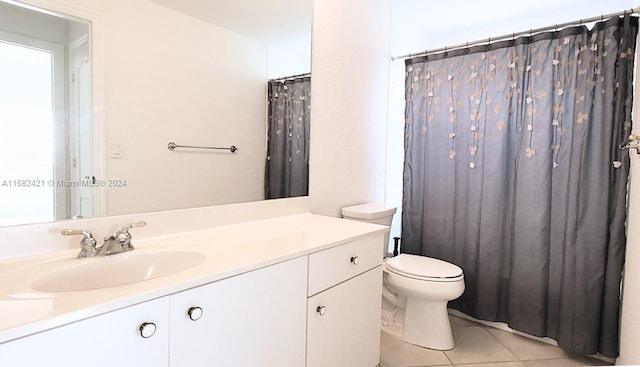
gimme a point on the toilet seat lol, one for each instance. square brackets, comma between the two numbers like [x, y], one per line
[424, 268]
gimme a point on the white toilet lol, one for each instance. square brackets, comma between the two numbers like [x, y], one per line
[416, 289]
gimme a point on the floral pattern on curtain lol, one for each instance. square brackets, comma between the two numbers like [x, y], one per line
[287, 165]
[512, 171]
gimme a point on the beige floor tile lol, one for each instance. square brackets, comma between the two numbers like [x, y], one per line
[396, 353]
[565, 362]
[477, 345]
[480, 346]
[527, 348]
[493, 364]
[460, 322]
[386, 364]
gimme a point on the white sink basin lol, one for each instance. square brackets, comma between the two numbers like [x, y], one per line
[114, 270]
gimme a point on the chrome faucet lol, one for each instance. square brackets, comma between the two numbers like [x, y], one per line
[87, 244]
[119, 241]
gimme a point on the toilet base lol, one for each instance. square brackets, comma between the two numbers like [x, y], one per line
[390, 326]
[415, 310]
[428, 326]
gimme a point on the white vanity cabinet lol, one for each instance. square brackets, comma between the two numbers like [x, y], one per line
[253, 319]
[317, 309]
[256, 318]
[343, 308]
[112, 339]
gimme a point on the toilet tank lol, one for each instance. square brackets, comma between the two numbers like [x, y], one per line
[376, 213]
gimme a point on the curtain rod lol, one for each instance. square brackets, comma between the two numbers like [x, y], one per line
[291, 77]
[514, 35]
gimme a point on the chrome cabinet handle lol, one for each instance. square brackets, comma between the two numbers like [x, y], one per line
[147, 329]
[322, 310]
[354, 260]
[195, 313]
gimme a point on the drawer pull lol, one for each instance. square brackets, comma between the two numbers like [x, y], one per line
[147, 329]
[354, 260]
[195, 313]
[322, 310]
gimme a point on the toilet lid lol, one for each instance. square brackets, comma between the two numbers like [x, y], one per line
[422, 266]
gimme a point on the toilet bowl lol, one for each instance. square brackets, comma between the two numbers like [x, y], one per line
[415, 289]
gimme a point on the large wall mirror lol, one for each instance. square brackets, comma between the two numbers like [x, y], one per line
[82, 141]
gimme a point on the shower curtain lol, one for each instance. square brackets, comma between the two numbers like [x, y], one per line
[513, 172]
[287, 165]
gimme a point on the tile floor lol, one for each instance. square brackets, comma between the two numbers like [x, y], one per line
[480, 346]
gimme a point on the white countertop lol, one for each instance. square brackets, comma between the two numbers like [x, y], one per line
[230, 250]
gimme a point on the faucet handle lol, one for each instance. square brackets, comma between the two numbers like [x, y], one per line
[124, 237]
[88, 243]
[73, 232]
[126, 228]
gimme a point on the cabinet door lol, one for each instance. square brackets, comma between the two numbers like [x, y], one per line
[343, 327]
[112, 339]
[253, 319]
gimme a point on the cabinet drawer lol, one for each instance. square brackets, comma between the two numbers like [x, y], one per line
[332, 266]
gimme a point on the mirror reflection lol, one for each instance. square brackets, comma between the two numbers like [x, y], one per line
[45, 117]
[190, 72]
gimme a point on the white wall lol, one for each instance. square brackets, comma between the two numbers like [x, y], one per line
[172, 77]
[350, 61]
[283, 63]
[630, 330]
[39, 26]
[418, 25]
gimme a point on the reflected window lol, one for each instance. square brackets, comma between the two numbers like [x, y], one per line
[46, 160]
[27, 130]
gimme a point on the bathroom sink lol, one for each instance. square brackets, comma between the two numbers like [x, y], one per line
[114, 270]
